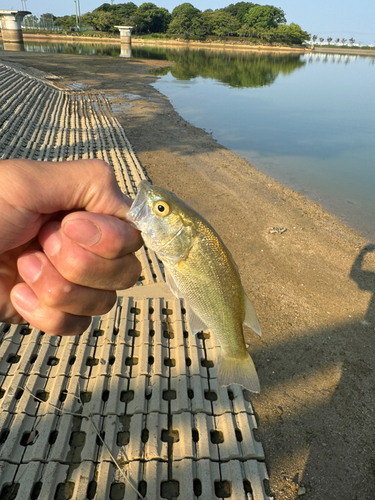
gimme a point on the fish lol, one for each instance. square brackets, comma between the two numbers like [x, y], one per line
[201, 270]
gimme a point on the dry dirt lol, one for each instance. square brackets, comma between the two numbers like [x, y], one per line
[313, 286]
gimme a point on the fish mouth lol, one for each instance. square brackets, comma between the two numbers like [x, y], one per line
[139, 207]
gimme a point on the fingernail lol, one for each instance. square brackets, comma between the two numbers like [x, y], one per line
[82, 231]
[52, 243]
[30, 267]
[25, 299]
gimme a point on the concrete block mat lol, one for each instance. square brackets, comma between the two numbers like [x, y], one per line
[132, 408]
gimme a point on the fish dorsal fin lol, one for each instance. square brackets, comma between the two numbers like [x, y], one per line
[251, 319]
[195, 323]
[172, 284]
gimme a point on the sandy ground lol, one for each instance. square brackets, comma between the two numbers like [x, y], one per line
[313, 286]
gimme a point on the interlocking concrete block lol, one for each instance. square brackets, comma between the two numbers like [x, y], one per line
[250, 447]
[256, 474]
[184, 447]
[13, 448]
[183, 474]
[208, 473]
[157, 388]
[155, 476]
[7, 473]
[82, 476]
[204, 425]
[119, 395]
[180, 394]
[54, 481]
[38, 446]
[66, 425]
[200, 394]
[155, 448]
[240, 399]
[105, 478]
[122, 360]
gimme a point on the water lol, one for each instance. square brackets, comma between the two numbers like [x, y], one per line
[306, 120]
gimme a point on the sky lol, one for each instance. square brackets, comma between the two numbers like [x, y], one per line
[335, 18]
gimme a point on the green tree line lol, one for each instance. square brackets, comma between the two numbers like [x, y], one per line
[261, 23]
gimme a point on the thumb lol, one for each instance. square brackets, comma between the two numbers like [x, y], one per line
[48, 187]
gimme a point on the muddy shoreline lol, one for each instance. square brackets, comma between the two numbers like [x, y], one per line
[313, 286]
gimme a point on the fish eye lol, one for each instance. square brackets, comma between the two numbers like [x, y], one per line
[161, 208]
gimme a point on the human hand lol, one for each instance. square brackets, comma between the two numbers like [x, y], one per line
[65, 247]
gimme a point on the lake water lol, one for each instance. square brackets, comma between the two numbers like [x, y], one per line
[305, 120]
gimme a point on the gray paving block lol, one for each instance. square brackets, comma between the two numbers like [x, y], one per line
[136, 373]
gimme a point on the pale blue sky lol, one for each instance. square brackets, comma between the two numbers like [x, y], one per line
[335, 18]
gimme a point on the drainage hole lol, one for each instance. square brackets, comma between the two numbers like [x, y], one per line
[105, 395]
[126, 396]
[217, 437]
[131, 361]
[169, 394]
[99, 441]
[142, 488]
[171, 362]
[207, 363]
[223, 489]
[145, 435]
[134, 333]
[90, 361]
[29, 438]
[151, 360]
[85, 397]
[188, 361]
[195, 435]
[52, 437]
[52, 361]
[190, 393]
[170, 435]
[64, 491]
[91, 489]
[13, 358]
[36, 490]
[43, 395]
[117, 491]
[210, 395]
[123, 438]
[98, 333]
[170, 489]
[197, 487]
[238, 435]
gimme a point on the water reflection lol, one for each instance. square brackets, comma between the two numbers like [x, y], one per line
[236, 69]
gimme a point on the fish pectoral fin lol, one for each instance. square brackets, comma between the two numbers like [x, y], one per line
[195, 323]
[172, 285]
[251, 319]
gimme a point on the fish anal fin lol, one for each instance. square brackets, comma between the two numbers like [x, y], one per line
[195, 323]
[172, 285]
[238, 371]
[251, 319]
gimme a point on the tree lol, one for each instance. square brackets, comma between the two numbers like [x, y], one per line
[321, 40]
[351, 41]
[343, 41]
[186, 20]
[337, 41]
[264, 16]
[221, 23]
[292, 33]
[103, 20]
[314, 39]
[239, 10]
[66, 22]
[329, 40]
[149, 18]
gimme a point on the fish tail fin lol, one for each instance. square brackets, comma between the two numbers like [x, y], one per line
[238, 371]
